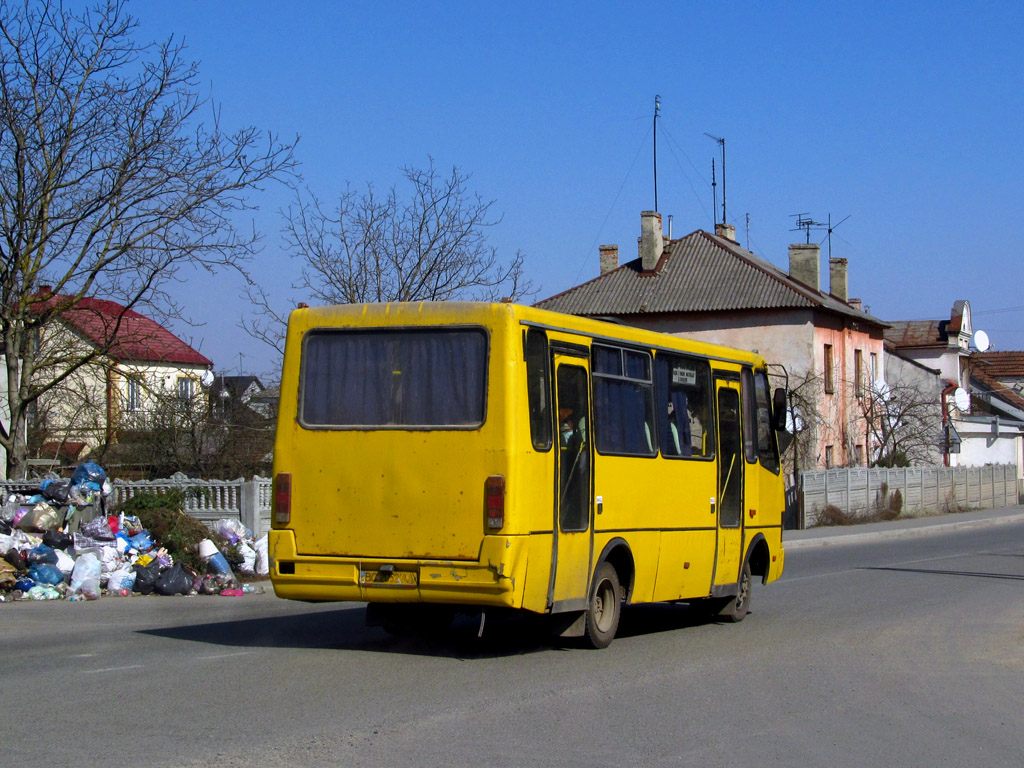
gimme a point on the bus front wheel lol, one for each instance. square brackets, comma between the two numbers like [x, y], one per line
[738, 607]
[602, 618]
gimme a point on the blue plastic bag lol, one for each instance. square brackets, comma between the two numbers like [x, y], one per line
[45, 574]
[142, 541]
[41, 555]
[89, 472]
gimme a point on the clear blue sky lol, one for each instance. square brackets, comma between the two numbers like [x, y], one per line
[905, 117]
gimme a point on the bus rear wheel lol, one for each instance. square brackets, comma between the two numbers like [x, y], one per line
[603, 608]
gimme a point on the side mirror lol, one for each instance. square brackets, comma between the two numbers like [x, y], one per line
[780, 406]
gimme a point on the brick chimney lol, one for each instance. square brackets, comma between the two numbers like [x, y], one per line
[609, 257]
[728, 231]
[856, 304]
[805, 264]
[837, 278]
[652, 240]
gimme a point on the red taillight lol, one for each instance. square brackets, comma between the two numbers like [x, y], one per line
[283, 498]
[494, 491]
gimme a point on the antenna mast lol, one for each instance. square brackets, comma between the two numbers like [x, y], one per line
[714, 192]
[722, 143]
[657, 109]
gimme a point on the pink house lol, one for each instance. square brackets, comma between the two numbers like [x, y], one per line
[706, 286]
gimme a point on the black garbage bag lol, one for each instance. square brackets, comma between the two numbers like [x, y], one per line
[176, 580]
[57, 539]
[56, 490]
[145, 577]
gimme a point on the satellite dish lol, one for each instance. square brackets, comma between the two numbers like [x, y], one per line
[962, 399]
[207, 378]
[981, 341]
[794, 421]
[881, 389]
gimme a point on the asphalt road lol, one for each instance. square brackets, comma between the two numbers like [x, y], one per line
[897, 653]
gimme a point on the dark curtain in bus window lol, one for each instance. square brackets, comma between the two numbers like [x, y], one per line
[749, 416]
[622, 417]
[394, 378]
[538, 389]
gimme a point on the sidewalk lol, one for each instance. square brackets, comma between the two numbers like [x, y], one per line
[898, 529]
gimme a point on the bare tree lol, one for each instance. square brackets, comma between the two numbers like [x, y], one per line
[904, 421]
[110, 182]
[431, 246]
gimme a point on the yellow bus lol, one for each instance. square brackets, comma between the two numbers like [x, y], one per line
[442, 456]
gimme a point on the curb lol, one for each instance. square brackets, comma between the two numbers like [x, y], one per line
[897, 533]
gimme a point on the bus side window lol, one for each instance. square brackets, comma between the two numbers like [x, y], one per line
[749, 416]
[623, 401]
[538, 388]
[767, 447]
[683, 385]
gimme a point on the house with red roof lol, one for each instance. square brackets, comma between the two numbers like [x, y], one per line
[707, 287]
[138, 365]
[981, 393]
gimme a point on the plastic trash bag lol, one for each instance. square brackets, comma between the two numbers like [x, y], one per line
[98, 528]
[42, 592]
[142, 541]
[248, 554]
[262, 565]
[89, 472]
[40, 555]
[55, 490]
[57, 539]
[40, 518]
[65, 562]
[176, 580]
[121, 581]
[44, 573]
[145, 577]
[85, 579]
[110, 559]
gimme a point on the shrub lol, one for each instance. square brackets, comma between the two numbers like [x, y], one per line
[163, 515]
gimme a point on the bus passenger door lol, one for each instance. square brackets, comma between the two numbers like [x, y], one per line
[571, 553]
[730, 483]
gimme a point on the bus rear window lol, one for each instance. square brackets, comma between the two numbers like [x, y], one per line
[394, 379]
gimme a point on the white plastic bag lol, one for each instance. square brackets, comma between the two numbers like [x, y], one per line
[85, 578]
[65, 562]
[111, 559]
[262, 564]
[248, 555]
[121, 579]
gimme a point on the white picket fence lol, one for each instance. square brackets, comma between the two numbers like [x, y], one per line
[207, 500]
[924, 489]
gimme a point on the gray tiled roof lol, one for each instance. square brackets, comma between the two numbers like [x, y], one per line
[697, 273]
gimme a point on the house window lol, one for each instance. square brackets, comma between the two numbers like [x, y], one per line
[186, 388]
[830, 365]
[858, 372]
[874, 368]
[828, 457]
[133, 401]
[858, 455]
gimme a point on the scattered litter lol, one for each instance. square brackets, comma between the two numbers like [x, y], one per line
[60, 541]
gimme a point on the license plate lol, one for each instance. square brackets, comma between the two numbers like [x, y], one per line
[387, 578]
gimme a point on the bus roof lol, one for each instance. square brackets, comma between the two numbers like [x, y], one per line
[426, 313]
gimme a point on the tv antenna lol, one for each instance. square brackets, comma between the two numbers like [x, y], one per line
[657, 110]
[831, 229]
[721, 143]
[805, 223]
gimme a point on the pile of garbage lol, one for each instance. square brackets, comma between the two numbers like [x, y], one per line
[51, 552]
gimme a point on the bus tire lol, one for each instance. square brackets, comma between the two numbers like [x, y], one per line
[737, 608]
[604, 607]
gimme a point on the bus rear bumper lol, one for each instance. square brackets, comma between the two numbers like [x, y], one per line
[378, 580]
